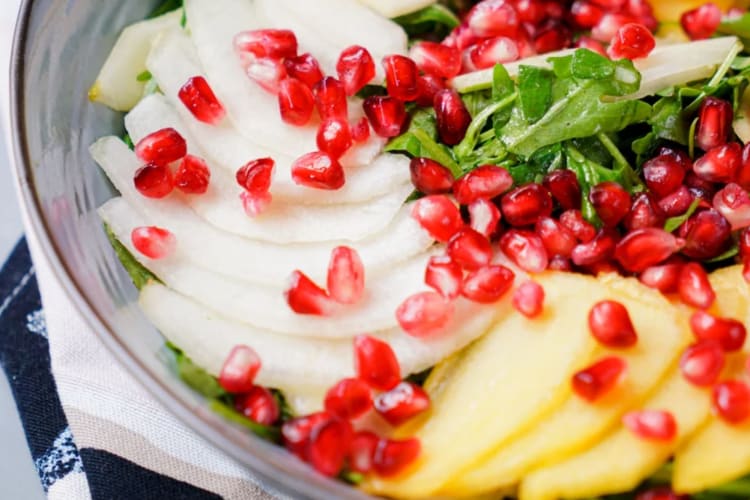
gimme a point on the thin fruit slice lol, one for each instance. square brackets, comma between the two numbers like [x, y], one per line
[395, 8]
[579, 423]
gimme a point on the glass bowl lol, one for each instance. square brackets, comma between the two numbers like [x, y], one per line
[59, 47]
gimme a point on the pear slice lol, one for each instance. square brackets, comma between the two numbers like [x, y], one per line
[577, 423]
[396, 8]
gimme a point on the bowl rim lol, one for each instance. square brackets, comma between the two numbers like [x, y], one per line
[270, 472]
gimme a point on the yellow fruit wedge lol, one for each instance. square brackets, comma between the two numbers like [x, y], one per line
[502, 385]
[671, 10]
[577, 424]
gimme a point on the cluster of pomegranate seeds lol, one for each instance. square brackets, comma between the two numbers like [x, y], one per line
[255, 177]
[653, 425]
[198, 97]
[153, 242]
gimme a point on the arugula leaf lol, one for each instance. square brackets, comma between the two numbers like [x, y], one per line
[587, 64]
[138, 273]
[434, 19]
[534, 92]
[194, 376]
[469, 142]
[674, 223]
[226, 411]
[164, 7]
[668, 121]
[737, 26]
[420, 140]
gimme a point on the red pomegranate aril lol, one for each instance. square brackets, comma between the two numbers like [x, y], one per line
[488, 284]
[702, 363]
[430, 177]
[554, 36]
[596, 251]
[663, 277]
[644, 248]
[644, 213]
[580, 227]
[525, 205]
[676, 203]
[304, 68]
[586, 14]
[360, 131]
[694, 287]
[198, 97]
[608, 25]
[743, 174]
[610, 324]
[153, 242]
[256, 175]
[461, 37]
[485, 217]
[429, 86]
[644, 12]
[296, 102]
[700, 188]
[192, 176]
[355, 68]
[586, 42]
[295, 433]
[564, 187]
[239, 370]
[663, 175]
[436, 59]
[439, 216]
[611, 202]
[334, 137]
[660, 493]
[452, 117]
[560, 263]
[651, 425]
[485, 181]
[632, 41]
[610, 4]
[525, 249]
[305, 297]
[424, 314]
[350, 398]
[557, 239]
[733, 203]
[744, 243]
[330, 98]
[595, 381]
[719, 164]
[362, 451]
[318, 170]
[394, 456]
[528, 299]
[271, 43]
[376, 363]
[259, 405]
[346, 276]
[701, 23]
[493, 18]
[470, 249]
[268, 73]
[706, 235]
[154, 181]
[497, 50]
[161, 147]
[729, 333]
[714, 123]
[530, 11]
[731, 401]
[444, 276]
[329, 446]
[402, 403]
[386, 114]
[401, 77]
[255, 204]
[679, 155]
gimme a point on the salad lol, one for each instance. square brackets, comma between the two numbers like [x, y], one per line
[460, 249]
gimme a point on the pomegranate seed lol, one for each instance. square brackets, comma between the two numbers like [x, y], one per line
[632, 41]
[679, 155]
[733, 203]
[334, 137]
[274, 44]
[453, 119]
[256, 175]
[485, 217]
[387, 115]
[430, 177]
[701, 363]
[525, 205]
[701, 23]
[596, 251]
[611, 202]
[198, 97]
[560, 263]
[239, 370]
[706, 234]
[530, 11]
[348, 399]
[557, 239]
[585, 15]
[330, 98]
[586, 42]
[610, 324]
[393, 457]
[424, 314]
[729, 333]
[660, 493]
[362, 451]
[268, 73]
[153, 242]
[528, 299]
[305, 297]
[376, 363]
[642, 10]
[192, 176]
[731, 401]
[486, 181]
[493, 18]
[700, 188]
[714, 123]
[296, 102]
[461, 37]
[329, 446]
[255, 204]
[304, 68]
[346, 276]
[652, 425]
[644, 213]
[360, 131]
[355, 68]
[608, 26]
[744, 243]
[444, 276]
[154, 181]
[470, 249]
[694, 287]
[719, 164]
[596, 380]
[743, 174]
[525, 249]
[580, 227]
[258, 405]
[491, 51]
[401, 77]
[402, 403]
[564, 187]
[429, 86]
[295, 433]
[319, 171]
[663, 175]
[610, 4]
[554, 36]
[161, 147]
[676, 203]
[488, 284]
[439, 216]
[644, 248]
[436, 59]
[663, 278]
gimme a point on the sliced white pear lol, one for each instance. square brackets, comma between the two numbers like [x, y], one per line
[396, 8]
[117, 84]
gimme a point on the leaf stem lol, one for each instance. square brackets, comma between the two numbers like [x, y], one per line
[467, 145]
[437, 152]
[630, 175]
